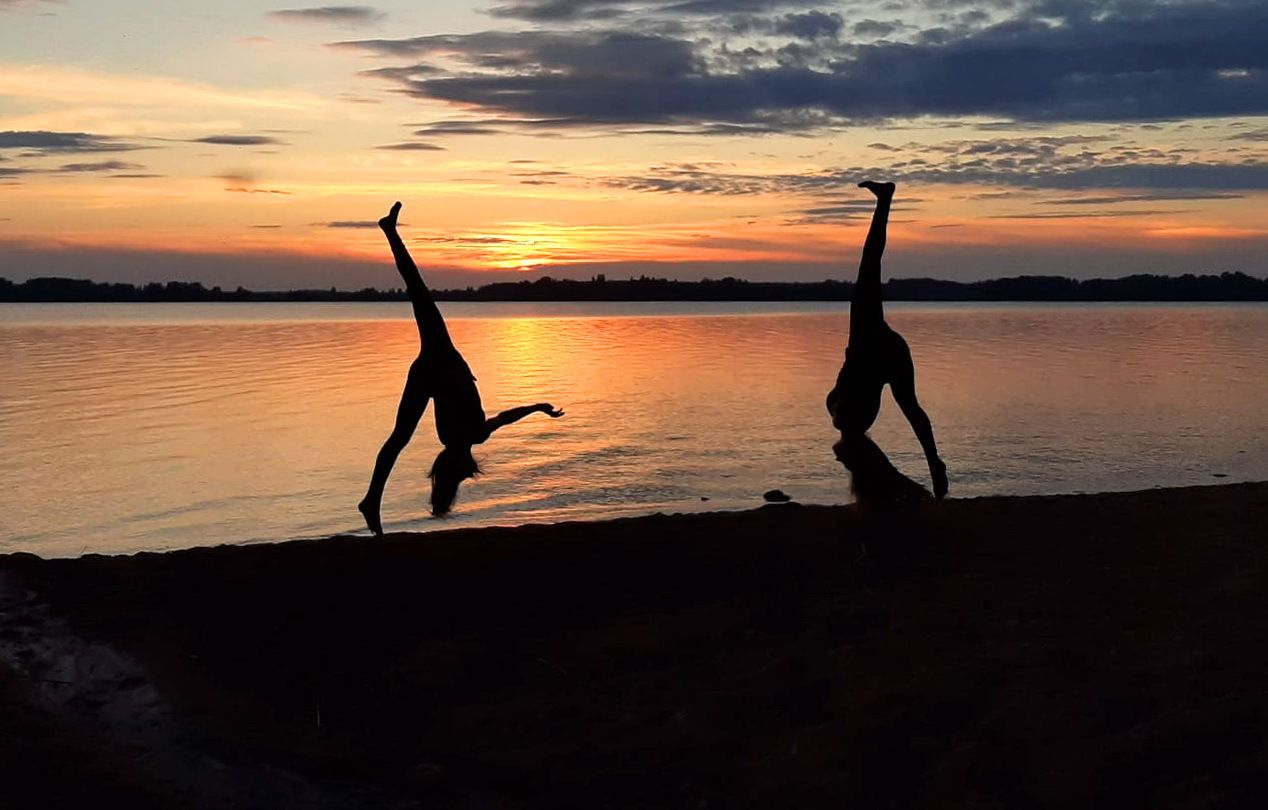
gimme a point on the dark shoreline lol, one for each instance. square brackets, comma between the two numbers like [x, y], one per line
[1226, 287]
[1059, 651]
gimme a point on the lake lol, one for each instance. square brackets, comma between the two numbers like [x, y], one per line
[155, 426]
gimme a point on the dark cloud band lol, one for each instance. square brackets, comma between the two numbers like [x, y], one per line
[1050, 62]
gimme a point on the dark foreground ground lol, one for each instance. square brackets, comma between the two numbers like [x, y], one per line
[1100, 650]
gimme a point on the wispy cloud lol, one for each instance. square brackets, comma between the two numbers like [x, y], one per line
[99, 166]
[578, 10]
[239, 140]
[412, 146]
[338, 15]
[1053, 163]
[246, 182]
[1151, 197]
[44, 142]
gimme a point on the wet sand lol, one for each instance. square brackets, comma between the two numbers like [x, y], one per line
[1095, 650]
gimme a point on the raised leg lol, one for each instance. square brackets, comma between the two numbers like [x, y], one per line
[413, 403]
[431, 325]
[903, 384]
[866, 310]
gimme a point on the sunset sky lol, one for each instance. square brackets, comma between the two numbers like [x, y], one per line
[254, 143]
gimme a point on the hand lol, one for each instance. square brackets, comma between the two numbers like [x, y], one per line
[550, 410]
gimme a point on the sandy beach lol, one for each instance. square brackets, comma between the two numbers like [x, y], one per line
[1090, 650]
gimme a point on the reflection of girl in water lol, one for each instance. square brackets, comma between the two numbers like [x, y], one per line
[438, 373]
[877, 355]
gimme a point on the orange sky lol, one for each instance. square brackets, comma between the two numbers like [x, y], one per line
[150, 130]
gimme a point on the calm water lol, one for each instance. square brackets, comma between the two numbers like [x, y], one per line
[129, 427]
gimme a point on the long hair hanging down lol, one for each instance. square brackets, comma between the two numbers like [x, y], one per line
[873, 477]
[450, 469]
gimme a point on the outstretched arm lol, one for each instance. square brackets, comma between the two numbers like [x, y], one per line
[514, 415]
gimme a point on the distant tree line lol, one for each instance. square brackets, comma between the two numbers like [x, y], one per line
[1222, 287]
[82, 290]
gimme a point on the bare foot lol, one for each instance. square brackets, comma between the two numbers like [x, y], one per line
[939, 472]
[883, 191]
[388, 223]
[371, 512]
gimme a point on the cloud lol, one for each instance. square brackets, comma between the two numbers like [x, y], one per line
[412, 146]
[349, 223]
[574, 10]
[239, 140]
[339, 15]
[1151, 197]
[246, 182]
[1044, 61]
[875, 28]
[48, 143]
[839, 212]
[99, 166]
[1080, 214]
[469, 240]
[690, 179]
[599, 54]
[542, 173]
[488, 127]
[811, 25]
[1072, 163]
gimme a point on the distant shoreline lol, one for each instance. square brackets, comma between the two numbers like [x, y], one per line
[1228, 287]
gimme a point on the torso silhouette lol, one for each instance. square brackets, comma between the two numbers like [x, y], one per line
[460, 418]
[871, 362]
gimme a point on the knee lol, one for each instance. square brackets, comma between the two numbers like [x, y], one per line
[910, 407]
[396, 441]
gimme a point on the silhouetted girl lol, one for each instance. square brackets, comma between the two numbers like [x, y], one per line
[877, 355]
[439, 373]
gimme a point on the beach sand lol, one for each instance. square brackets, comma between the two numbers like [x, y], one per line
[1091, 650]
